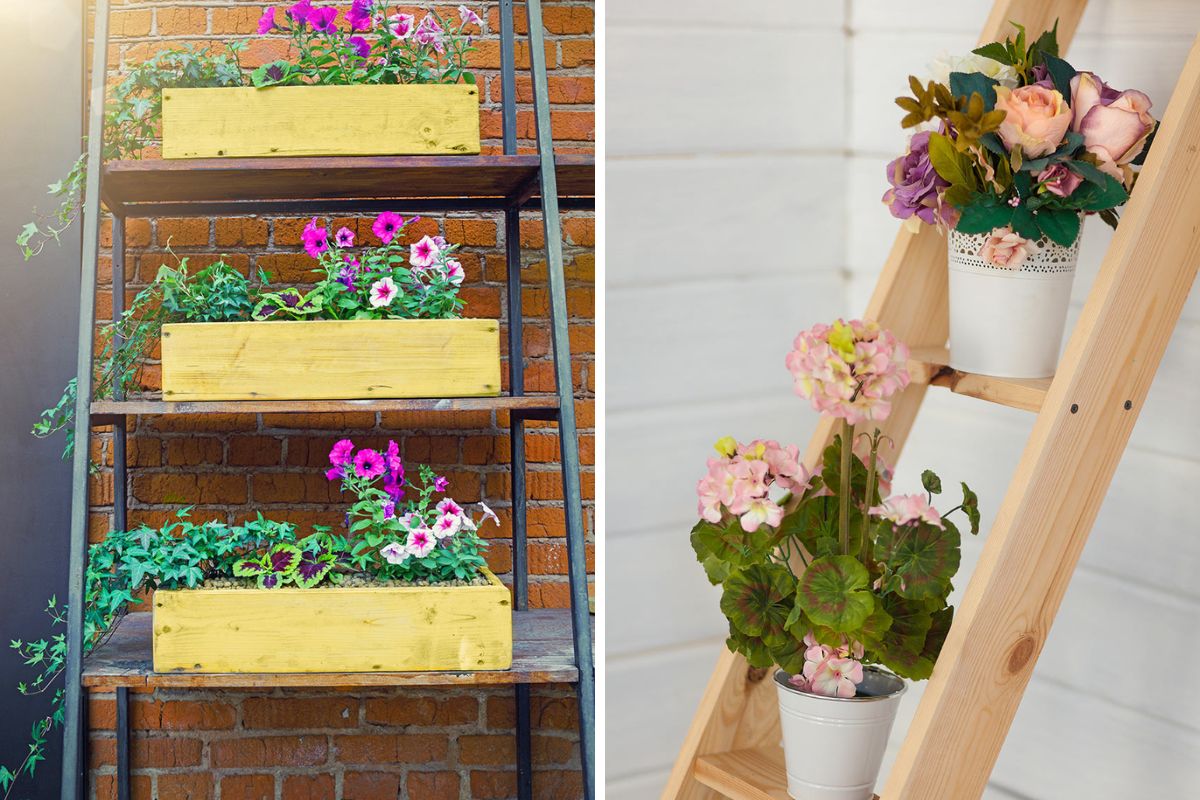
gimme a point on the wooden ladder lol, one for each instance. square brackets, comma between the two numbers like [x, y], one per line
[1085, 415]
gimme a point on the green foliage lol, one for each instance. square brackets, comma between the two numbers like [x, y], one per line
[131, 118]
[834, 592]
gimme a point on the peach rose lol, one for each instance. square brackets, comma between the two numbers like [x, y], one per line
[1034, 117]
[1115, 125]
[1007, 249]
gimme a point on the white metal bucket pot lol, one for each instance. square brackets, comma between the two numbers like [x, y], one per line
[1008, 322]
[833, 746]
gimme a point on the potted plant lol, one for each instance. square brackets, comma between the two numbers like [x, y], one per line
[372, 82]
[371, 327]
[1015, 147]
[823, 574]
[405, 588]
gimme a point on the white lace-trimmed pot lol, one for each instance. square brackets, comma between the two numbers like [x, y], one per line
[833, 746]
[1008, 322]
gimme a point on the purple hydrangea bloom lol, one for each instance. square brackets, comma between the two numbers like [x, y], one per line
[916, 187]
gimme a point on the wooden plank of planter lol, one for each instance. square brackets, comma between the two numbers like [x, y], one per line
[752, 774]
[417, 119]
[331, 359]
[368, 629]
[531, 404]
[930, 366]
[542, 653]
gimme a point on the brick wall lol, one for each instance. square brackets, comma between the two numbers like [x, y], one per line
[233, 466]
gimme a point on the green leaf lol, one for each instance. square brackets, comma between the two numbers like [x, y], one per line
[949, 163]
[970, 505]
[938, 630]
[1061, 74]
[1061, 225]
[1044, 45]
[834, 593]
[903, 644]
[1111, 195]
[965, 84]
[985, 213]
[1089, 172]
[1024, 223]
[993, 143]
[931, 482]
[759, 598]
[924, 557]
[995, 51]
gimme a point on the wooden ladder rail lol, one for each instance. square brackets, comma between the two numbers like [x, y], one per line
[738, 709]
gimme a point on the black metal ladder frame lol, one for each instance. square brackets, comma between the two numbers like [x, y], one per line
[74, 769]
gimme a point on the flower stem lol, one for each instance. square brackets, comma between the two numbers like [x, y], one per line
[870, 495]
[844, 494]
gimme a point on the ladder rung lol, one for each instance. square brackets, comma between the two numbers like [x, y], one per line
[929, 366]
[755, 774]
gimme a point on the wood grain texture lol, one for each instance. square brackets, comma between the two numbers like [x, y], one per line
[370, 629]
[149, 185]
[542, 653]
[410, 119]
[930, 366]
[330, 359]
[753, 774]
[1064, 473]
[911, 299]
[533, 404]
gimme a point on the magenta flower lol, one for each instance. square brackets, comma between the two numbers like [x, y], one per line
[394, 464]
[361, 47]
[440, 484]
[342, 453]
[420, 541]
[468, 16]
[359, 15]
[387, 225]
[322, 19]
[368, 464]
[316, 240]
[424, 253]
[300, 12]
[454, 272]
[448, 506]
[429, 33]
[335, 473]
[446, 526]
[401, 25]
[344, 237]
[383, 292]
[266, 22]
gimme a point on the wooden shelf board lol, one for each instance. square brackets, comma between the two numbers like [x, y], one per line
[157, 187]
[754, 774]
[542, 653]
[929, 366]
[538, 404]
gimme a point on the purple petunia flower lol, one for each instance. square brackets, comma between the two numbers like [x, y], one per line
[387, 225]
[316, 240]
[440, 484]
[347, 277]
[361, 47]
[359, 15]
[342, 453]
[335, 473]
[322, 19]
[266, 23]
[389, 509]
[345, 237]
[368, 464]
[300, 12]
[394, 464]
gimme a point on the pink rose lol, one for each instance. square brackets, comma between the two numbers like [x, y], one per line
[1006, 248]
[1115, 125]
[1059, 180]
[1036, 118]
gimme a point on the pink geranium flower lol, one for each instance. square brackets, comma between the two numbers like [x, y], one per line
[758, 511]
[341, 453]
[907, 509]
[383, 292]
[421, 541]
[368, 464]
[849, 370]
[424, 253]
[315, 238]
[834, 677]
[394, 553]
[401, 25]
[447, 525]
[387, 225]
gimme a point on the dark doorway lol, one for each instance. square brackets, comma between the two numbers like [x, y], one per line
[39, 309]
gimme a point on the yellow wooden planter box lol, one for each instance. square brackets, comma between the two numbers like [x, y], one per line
[331, 359]
[385, 629]
[394, 120]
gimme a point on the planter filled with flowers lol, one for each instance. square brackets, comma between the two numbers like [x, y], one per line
[405, 588]
[372, 327]
[824, 575]
[373, 81]
[1015, 148]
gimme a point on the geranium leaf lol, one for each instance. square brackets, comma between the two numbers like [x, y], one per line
[903, 643]
[931, 482]
[758, 599]
[970, 505]
[938, 629]
[924, 557]
[833, 592]
[752, 647]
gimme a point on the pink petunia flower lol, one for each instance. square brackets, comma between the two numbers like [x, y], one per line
[429, 33]
[335, 473]
[489, 514]
[387, 225]
[448, 506]
[315, 238]
[266, 22]
[394, 553]
[421, 541]
[424, 253]
[394, 464]
[402, 25]
[344, 237]
[341, 453]
[383, 292]
[447, 525]
[906, 509]
[368, 464]
[468, 16]
[455, 272]
[440, 484]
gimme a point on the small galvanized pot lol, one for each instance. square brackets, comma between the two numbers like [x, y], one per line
[833, 746]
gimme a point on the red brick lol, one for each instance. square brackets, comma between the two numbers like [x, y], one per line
[241, 231]
[194, 450]
[554, 750]
[182, 231]
[235, 20]
[487, 750]
[370, 786]
[487, 785]
[181, 21]
[426, 711]
[391, 748]
[255, 451]
[281, 751]
[248, 787]
[432, 786]
[557, 783]
[129, 23]
[308, 787]
[471, 232]
[184, 715]
[185, 786]
[300, 713]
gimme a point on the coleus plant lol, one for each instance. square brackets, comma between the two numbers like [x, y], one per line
[1015, 139]
[821, 571]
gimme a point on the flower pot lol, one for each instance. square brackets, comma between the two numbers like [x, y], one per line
[362, 120]
[371, 629]
[1008, 322]
[331, 359]
[833, 746]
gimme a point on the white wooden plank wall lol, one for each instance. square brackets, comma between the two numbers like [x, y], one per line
[746, 163]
